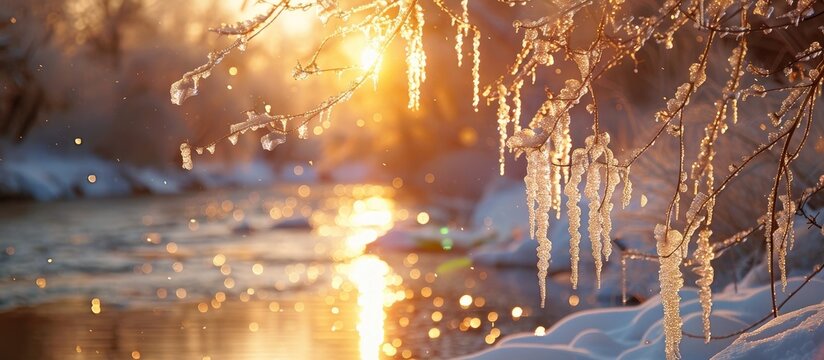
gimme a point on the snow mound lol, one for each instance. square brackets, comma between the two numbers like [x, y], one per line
[796, 335]
[637, 332]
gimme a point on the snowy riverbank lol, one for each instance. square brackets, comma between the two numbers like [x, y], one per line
[637, 333]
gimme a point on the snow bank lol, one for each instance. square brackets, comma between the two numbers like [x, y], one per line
[503, 211]
[498, 233]
[637, 333]
[796, 335]
[48, 175]
[431, 238]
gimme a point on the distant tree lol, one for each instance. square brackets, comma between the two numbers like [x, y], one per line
[575, 45]
[23, 96]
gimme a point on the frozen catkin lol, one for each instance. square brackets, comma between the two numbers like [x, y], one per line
[704, 255]
[671, 280]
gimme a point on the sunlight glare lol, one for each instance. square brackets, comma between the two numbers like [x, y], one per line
[370, 276]
[369, 56]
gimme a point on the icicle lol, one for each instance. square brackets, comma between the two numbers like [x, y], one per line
[503, 120]
[671, 281]
[784, 232]
[415, 56]
[579, 158]
[186, 155]
[233, 138]
[542, 227]
[704, 254]
[476, 69]
[768, 233]
[462, 31]
[538, 203]
[612, 179]
[459, 45]
[516, 110]
[693, 219]
[623, 280]
[734, 105]
[531, 191]
[593, 183]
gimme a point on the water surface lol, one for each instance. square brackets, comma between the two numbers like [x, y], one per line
[242, 275]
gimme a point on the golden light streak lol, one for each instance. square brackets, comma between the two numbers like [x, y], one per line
[370, 275]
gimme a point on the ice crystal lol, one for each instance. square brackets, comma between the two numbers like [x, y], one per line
[186, 155]
[272, 140]
[303, 131]
[327, 9]
[183, 89]
[233, 138]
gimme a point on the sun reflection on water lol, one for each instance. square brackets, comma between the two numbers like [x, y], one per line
[358, 215]
[369, 274]
[364, 221]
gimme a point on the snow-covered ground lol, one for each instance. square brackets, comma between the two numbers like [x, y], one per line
[637, 333]
[46, 175]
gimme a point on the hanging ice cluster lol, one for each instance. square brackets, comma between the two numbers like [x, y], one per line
[551, 163]
[380, 22]
[412, 32]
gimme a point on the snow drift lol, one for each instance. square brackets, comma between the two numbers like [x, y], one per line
[637, 332]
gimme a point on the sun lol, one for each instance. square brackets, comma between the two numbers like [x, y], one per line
[370, 56]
